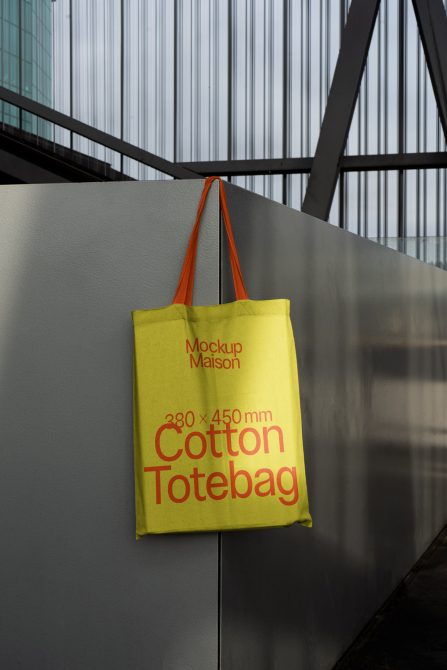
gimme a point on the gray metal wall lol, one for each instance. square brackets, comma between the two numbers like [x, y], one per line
[371, 333]
[76, 589]
[371, 328]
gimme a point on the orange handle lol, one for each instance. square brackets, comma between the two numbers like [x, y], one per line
[183, 295]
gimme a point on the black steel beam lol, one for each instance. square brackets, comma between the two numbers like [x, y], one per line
[402, 161]
[236, 168]
[343, 94]
[417, 161]
[432, 23]
[96, 135]
[370, 162]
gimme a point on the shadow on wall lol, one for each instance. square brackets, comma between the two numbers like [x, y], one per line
[371, 422]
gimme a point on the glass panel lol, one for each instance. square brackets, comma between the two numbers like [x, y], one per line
[374, 127]
[135, 170]
[96, 76]
[297, 185]
[270, 186]
[148, 62]
[217, 79]
[371, 203]
[200, 79]
[431, 250]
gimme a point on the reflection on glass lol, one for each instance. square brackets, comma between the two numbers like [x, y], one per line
[431, 250]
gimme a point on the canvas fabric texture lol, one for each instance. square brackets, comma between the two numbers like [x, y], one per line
[217, 423]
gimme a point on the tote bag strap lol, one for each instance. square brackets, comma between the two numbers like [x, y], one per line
[185, 287]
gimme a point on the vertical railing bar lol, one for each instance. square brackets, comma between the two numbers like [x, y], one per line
[425, 149]
[404, 115]
[271, 92]
[308, 28]
[341, 200]
[217, 79]
[230, 83]
[122, 81]
[142, 49]
[179, 101]
[163, 80]
[175, 83]
[302, 96]
[400, 130]
[247, 79]
[328, 52]
[365, 132]
[445, 203]
[2, 103]
[198, 110]
[266, 96]
[252, 92]
[71, 69]
[344, 194]
[444, 143]
[359, 174]
[193, 84]
[385, 124]
[379, 120]
[265, 102]
[326, 85]
[269, 36]
[211, 80]
[53, 60]
[418, 138]
[285, 91]
[438, 183]
[20, 61]
[320, 63]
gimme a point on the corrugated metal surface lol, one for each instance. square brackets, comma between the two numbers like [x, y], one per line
[371, 202]
[216, 79]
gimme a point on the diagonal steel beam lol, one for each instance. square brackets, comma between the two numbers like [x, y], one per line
[96, 135]
[343, 94]
[432, 23]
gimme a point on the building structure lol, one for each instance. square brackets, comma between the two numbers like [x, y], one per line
[240, 89]
[266, 93]
[26, 63]
[200, 82]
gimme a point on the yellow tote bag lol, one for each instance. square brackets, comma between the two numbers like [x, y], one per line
[217, 424]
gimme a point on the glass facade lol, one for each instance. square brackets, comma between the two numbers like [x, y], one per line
[431, 250]
[26, 58]
[194, 80]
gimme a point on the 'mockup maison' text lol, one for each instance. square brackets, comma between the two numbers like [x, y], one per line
[214, 354]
